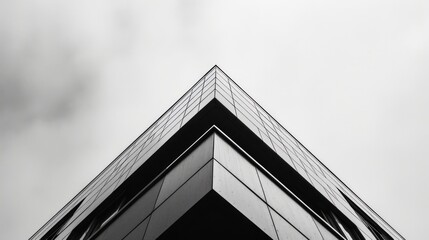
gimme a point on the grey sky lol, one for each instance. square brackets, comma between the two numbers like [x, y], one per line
[80, 80]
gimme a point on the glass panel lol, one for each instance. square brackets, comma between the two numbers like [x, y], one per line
[138, 232]
[303, 173]
[248, 108]
[132, 216]
[251, 117]
[327, 235]
[161, 121]
[182, 101]
[106, 193]
[61, 224]
[277, 144]
[242, 199]
[237, 92]
[221, 77]
[171, 125]
[263, 113]
[186, 168]
[198, 86]
[134, 154]
[210, 76]
[285, 157]
[209, 86]
[310, 168]
[225, 92]
[288, 138]
[320, 188]
[270, 127]
[206, 100]
[180, 202]
[169, 132]
[289, 209]
[225, 102]
[224, 88]
[197, 92]
[248, 123]
[296, 160]
[266, 139]
[177, 116]
[192, 105]
[190, 114]
[174, 118]
[345, 231]
[285, 230]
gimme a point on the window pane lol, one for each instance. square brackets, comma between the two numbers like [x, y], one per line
[186, 168]
[243, 199]
[132, 216]
[289, 209]
[138, 232]
[180, 202]
[285, 230]
[327, 235]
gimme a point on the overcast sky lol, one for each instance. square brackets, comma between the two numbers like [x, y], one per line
[81, 79]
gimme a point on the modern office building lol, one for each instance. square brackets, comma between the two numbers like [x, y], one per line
[216, 165]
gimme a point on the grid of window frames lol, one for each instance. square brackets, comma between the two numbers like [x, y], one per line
[138, 152]
[292, 151]
[215, 84]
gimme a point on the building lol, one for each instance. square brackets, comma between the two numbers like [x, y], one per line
[216, 165]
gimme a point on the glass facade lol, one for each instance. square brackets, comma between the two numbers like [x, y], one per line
[159, 205]
[263, 195]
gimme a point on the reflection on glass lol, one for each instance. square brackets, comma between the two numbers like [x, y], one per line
[288, 208]
[285, 230]
[190, 164]
[180, 201]
[243, 199]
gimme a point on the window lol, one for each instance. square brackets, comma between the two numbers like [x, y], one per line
[344, 227]
[86, 230]
[375, 229]
[59, 227]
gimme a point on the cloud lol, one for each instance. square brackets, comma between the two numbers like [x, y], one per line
[78, 81]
